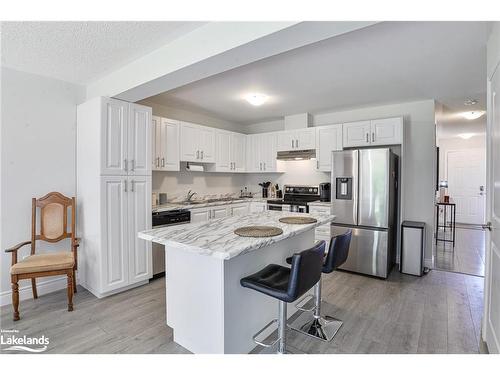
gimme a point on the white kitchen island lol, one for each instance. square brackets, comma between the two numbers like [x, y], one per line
[207, 308]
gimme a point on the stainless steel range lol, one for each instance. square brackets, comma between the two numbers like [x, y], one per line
[295, 198]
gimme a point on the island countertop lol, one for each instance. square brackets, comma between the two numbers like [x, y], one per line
[216, 237]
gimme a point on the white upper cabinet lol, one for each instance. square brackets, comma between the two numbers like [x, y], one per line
[114, 131]
[356, 134]
[261, 153]
[197, 143]
[139, 140]
[223, 160]
[303, 139]
[329, 138]
[238, 152]
[166, 144]
[125, 138]
[373, 133]
[387, 131]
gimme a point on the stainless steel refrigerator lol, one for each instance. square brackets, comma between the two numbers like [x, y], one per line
[364, 198]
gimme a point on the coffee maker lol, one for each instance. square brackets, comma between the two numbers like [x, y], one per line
[325, 192]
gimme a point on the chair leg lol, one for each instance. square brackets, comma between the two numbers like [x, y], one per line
[33, 288]
[74, 281]
[282, 328]
[15, 299]
[70, 291]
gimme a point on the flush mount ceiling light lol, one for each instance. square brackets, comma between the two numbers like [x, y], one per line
[256, 99]
[466, 135]
[472, 115]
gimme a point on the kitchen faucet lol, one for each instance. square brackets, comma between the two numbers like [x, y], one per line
[190, 195]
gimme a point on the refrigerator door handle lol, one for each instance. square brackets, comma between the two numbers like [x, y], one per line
[355, 186]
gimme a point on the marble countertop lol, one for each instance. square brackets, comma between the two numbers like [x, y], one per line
[189, 206]
[319, 203]
[216, 237]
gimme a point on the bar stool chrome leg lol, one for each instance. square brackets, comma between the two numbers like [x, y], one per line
[282, 328]
[320, 327]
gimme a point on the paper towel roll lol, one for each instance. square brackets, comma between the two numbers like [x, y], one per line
[195, 168]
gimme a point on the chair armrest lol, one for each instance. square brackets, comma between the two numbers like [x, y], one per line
[17, 247]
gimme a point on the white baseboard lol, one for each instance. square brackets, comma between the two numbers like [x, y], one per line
[43, 287]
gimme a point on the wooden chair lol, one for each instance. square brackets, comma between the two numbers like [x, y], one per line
[53, 228]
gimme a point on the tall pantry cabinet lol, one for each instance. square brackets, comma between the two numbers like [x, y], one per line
[113, 194]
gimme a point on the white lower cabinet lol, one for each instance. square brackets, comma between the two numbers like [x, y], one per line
[323, 232]
[239, 209]
[125, 210]
[257, 207]
[199, 215]
[218, 212]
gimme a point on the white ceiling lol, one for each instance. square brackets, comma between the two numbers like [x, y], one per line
[386, 63]
[81, 52]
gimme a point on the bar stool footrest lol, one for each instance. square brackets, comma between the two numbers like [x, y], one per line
[262, 342]
[302, 302]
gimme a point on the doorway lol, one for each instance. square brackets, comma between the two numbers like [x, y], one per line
[462, 182]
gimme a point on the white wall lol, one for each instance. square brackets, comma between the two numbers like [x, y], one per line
[176, 113]
[419, 164]
[38, 156]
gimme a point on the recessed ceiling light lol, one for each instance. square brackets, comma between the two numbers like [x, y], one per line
[472, 115]
[256, 98]
[466, 135]
[470, 102]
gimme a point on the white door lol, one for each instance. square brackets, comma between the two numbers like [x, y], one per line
[329, 139]
[139, 219]
[305, 139]
[491, 317]
[219, 212]
[170, 145]
[285, 141]
[156, 142]
[240, 209]
[114, 214]
[189, 142]
[223, 159]
[139, 140]
[387, 131]
[206, 138]
[466, 174]
[356, 134]
[114, 134]
[200, 215]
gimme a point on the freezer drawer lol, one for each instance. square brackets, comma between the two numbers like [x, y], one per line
[368, 252]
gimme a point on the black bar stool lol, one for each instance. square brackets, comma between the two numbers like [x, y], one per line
[323, 327]
[286, 285]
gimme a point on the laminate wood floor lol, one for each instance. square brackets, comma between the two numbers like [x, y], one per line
[438, 313]
[469, 253]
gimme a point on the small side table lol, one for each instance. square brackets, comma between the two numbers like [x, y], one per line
[445, 225]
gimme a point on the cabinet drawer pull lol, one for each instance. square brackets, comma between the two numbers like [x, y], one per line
[373, 137]
[132, 165]
[292, 143]
[125, 165]
[162, 162]
[202, 155]
[260, 166]
[132, 185]
[157, 162]
[297, 143]
[197, 154]
[264, 166]
[367, 139]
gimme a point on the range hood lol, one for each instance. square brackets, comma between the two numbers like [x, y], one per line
[296, 155]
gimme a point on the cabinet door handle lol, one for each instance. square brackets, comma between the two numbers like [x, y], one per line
[292, 143]
[202, 155]
[125, 186]
[162, 162]
[157, 162]
[125, 165]
[132, 165]
[132, 186]
[367, 139]
[373, 137]
[297, 143]
[197, 154]
[264, 166]
[317, 164]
